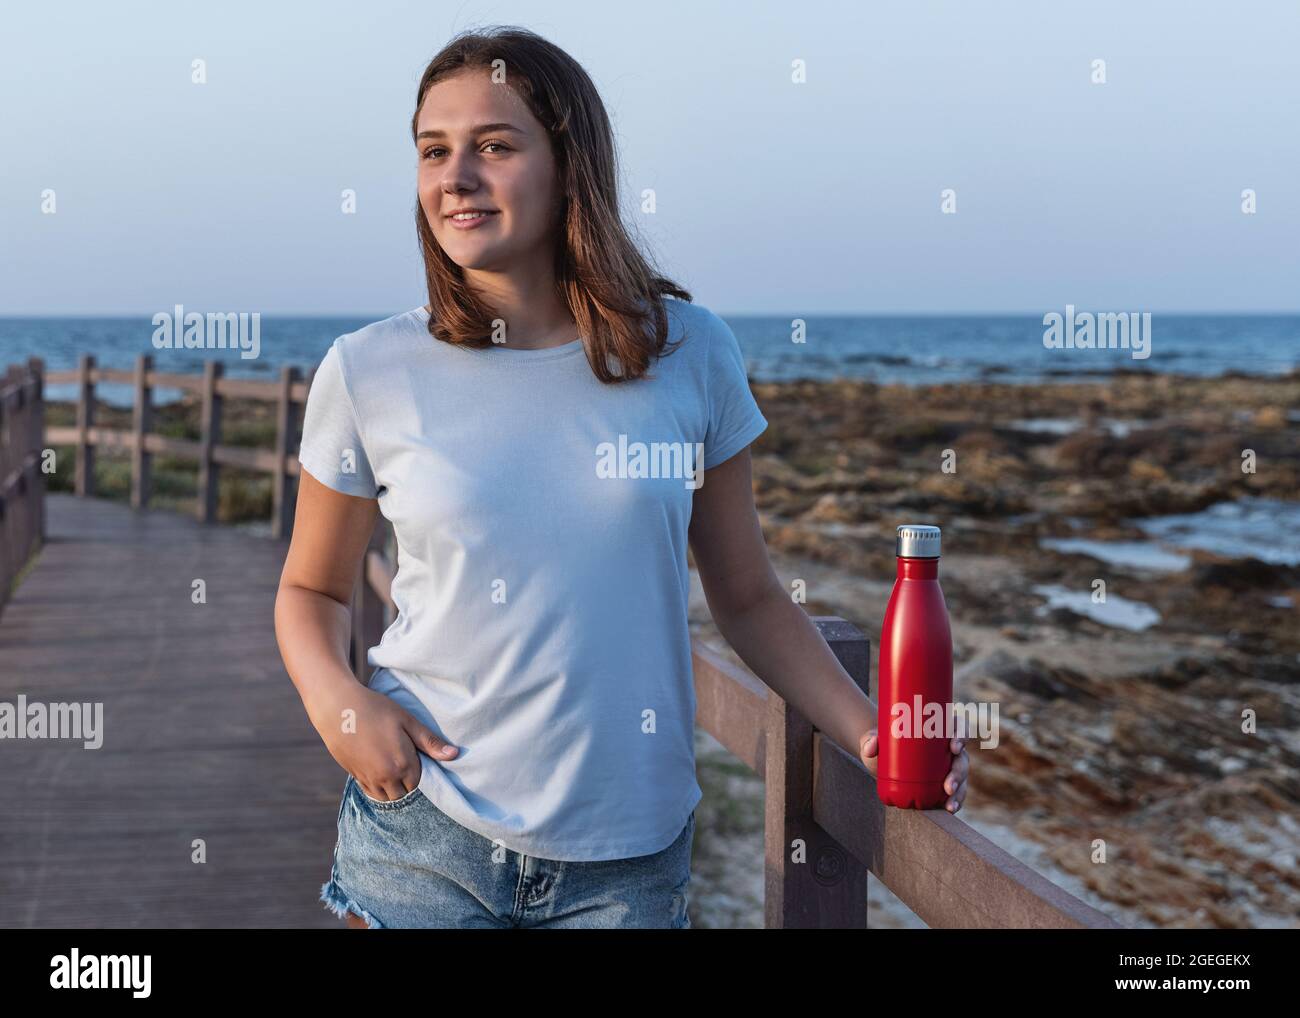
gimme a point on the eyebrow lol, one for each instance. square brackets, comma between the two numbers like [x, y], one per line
[477, 130]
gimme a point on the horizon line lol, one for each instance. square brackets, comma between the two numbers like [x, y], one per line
[722, 314]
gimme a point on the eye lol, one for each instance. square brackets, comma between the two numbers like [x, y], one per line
[429, 153]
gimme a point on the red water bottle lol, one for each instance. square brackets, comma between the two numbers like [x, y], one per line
[915, 675]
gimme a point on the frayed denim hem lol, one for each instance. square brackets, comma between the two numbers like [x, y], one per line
[337, 901]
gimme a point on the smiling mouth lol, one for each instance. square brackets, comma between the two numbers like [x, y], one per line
[469, 217]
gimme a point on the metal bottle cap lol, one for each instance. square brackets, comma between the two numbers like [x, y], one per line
[917, 541]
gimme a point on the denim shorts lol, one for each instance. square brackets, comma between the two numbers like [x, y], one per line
[405, 863]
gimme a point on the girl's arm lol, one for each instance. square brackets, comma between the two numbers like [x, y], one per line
[313, 623]
[773, 635]
[313, 608]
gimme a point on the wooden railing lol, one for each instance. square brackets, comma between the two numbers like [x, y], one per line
[22, 483]
[825, 828]
[289, 394]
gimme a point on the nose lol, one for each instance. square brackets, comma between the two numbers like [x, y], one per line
[458, 177]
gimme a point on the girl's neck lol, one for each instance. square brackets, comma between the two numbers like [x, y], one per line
[536, 317]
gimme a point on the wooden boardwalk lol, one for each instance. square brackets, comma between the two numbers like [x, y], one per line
[204, 737]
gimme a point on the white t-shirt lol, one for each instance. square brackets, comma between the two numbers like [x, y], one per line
[541, 590]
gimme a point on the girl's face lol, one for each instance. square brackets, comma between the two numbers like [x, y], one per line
[479, 146]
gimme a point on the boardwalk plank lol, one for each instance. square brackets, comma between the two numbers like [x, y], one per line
[204, 736]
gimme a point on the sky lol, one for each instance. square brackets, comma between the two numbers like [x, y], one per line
[773, 196]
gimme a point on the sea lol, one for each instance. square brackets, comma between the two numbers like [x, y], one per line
[906, 349]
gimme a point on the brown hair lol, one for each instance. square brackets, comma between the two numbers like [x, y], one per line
[610, 287]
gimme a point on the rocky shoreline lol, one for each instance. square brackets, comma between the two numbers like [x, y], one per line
[1114, 729]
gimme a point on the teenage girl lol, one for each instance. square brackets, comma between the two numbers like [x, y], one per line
[546, 435]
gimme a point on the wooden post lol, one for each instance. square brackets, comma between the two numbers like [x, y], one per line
[810, 881]
[21, 485]
[9, 555]
[297, 431]
[210, 436]
[282, 490]
[84, 479]
[141, 425]
[37, 366]
[367, 608]
[389, 549]
[20, 464]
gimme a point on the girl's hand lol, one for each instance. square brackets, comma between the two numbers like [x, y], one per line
[381, 745]
[954, 784]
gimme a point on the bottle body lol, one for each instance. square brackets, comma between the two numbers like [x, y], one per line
[914, 690]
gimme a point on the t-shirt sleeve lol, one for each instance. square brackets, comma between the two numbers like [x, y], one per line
[734, 417]
[331, 449]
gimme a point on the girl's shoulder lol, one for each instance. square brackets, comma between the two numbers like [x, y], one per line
[696, 324]
[385, 342]
[402, 323]
[690, 316]
[371, 362]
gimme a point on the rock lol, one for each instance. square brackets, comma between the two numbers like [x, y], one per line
[834, 507]
[1145, 470]
[1246, 574]
[1030, 676]
[1271, 418]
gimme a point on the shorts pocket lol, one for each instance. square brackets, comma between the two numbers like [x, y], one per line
[409, 799]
